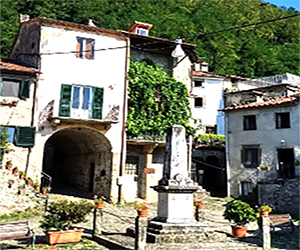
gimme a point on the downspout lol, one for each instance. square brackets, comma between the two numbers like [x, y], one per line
[123, 142]
[227, 153]
[32, 120]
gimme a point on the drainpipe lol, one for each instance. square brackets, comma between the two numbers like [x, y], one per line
[123, 142]
[32, 120]
[227, 153]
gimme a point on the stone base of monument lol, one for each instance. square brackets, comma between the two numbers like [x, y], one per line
[164, 233]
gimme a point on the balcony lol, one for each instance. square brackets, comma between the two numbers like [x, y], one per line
[72, 112]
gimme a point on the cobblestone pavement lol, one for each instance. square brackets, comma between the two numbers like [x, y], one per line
[117, 218]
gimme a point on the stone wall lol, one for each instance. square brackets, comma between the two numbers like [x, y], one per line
[284, 196]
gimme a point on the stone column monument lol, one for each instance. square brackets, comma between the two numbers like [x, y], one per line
[175, 212]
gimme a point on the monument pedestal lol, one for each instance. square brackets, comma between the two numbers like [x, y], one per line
[175, 221]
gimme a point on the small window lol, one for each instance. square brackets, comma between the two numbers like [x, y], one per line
[142, 31]
[24, 136]
[198, 83]
[211, 129]
[10, 87]
[15, 88]
[249, 122]
[132, 165]
[283, 120]
[199, 102]
[85, 48]
[250, 156]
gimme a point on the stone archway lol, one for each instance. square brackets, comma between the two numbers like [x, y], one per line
[79, 157]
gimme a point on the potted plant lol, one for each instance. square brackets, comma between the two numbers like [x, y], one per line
[45, 190]
[15, 170]
[142, 207]
[198, 203]
[8, 164]
[59, 218]
[265, 167]
[37, 186]
[241, 214]
[21, 175]
[99, 201]
[264, 209]
[29, 181]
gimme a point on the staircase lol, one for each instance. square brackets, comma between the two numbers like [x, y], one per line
[15, 194]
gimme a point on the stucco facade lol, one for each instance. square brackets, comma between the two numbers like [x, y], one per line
[79, 148]
[271, 142]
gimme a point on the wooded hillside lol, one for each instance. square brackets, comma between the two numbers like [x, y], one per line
[257, 51]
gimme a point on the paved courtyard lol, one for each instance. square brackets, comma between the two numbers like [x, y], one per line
[117, 218]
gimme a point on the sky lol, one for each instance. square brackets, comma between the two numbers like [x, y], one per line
[286, 3]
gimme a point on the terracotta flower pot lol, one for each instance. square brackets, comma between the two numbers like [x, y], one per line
[200, 206]
[8, 166]
[37, 188]
[29, 182]
[22, 176]
[15, 171]
[100, 205]
[64, 236]
[143, 213]
[44, 192]
[239, 231]
[264, 213]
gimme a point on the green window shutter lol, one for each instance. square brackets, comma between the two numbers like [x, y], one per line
[24, 136]
[65, 100]
[97, 103]
[24, 91]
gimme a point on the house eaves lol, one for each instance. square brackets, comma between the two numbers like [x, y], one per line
[13, 66]
[269, 103]
[151, 43]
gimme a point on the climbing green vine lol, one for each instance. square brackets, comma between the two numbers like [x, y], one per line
[156, 101]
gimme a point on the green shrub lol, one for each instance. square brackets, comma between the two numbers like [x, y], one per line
[60, 215]
[239, 212]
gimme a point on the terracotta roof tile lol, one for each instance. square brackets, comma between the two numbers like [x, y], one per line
[267, 103]
[7, 64]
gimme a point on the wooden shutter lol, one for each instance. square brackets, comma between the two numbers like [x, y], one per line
[24, 91]
[97, 105]
[65, 100]
[88, 49]
[24, 136]
[79, 48]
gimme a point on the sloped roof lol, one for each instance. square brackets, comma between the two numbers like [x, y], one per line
[286, 100]
[69, 25]
[210, 74]
[11, 65]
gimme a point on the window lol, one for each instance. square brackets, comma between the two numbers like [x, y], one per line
[199, 102]
[249, 122]
[85, 48]
[211, 129]
[283, 120]
[250, 156]
[20, 136]
[82, 102]
[15, 88]
[142, 31]
[198, 83]
[132, 165]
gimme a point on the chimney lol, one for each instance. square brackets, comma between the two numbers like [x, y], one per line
[140, 28]
[204, 67]
[24, 18]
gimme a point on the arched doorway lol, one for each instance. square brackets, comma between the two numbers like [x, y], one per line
[79, 157]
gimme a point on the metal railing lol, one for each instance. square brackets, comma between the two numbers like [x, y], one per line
[48, 178]
[81, 110]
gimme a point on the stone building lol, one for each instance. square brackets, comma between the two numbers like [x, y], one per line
[81, 103]
[266, 132]
[17, 94]
[145, 154]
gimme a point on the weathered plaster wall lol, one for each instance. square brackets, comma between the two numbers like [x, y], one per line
[266, 136]
[27, 44]
[284, 196]
[248, 96]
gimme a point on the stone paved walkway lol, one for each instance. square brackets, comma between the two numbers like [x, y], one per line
[117, 218]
